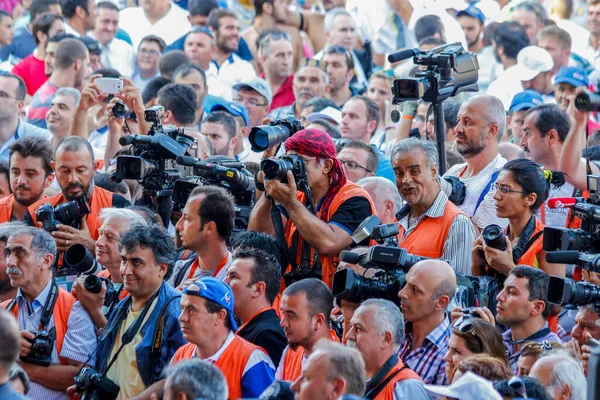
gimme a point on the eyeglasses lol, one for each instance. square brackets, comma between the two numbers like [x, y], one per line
[249, 102]
[145, 52]
[4, 96]
[517, 385]
[352, 165]
[505, 190]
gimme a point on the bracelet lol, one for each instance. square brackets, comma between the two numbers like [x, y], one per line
[409, 117]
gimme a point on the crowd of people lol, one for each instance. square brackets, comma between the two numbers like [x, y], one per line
[151, 247]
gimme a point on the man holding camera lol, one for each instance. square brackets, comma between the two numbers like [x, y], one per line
[340, 206]
[204, 228]
[30, 174]
[75, 168]
[428, 209]
[142, 333]
[57, 334]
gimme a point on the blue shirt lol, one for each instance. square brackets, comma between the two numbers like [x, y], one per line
[8, 393]
[23, 129]
[384, 168]
[21, 46]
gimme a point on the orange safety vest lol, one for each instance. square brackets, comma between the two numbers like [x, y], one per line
[292, 362]
[100, 199]
[106, 274]
[422, 240]
[6, 205]
[405, 373]
[328, 263]
[231, 363]
[60, 315]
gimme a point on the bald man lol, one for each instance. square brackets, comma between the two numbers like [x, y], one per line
[561, 376]
[430, 285]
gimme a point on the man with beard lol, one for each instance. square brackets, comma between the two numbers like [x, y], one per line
[276, 58]
[75, 167]
[220, 128]
[30, 174]
[71, 69]
[80, 16]
[226, 65]
[339, 65]
[310, 81]
[481, 124]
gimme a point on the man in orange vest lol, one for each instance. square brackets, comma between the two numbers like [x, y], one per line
[204, 228]
[430, 225]
[75, 168]
[30, 174]
[377, 331]
[208, 324]
[340, 206]
[30, 253]
[305, 312]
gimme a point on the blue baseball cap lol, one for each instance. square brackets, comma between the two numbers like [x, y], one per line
[573, 76]
[215, 290]
[472, 12]
[525, 100]
[234, 109]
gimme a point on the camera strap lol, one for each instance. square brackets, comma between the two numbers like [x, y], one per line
[379, 380]
[486, 190]
[279, 232]
[159, 330]
[526, 239]
[48, 307]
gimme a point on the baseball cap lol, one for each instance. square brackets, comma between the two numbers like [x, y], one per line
[215, 290]
[525, 100]
[202, 29]
[467, 387]
[573, 76]
[328, 113]
[531, 61]
[472, 12]
[233, 109]
[258, 85]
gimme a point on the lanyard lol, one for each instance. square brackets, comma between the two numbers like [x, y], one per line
[262, 310]
[196, 262]
[48, 307]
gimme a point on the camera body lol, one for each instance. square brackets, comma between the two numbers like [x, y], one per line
[93, 284]
[41, 348]
[277, 168]
[264, 137]
[95, 386]
[455, 189]
[120, 110]
[69, 213]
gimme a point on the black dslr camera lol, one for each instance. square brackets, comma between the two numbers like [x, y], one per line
[95, 386]
[264, 137]
[277, 168]
[69, 213]
[93, 284]
[41, 348]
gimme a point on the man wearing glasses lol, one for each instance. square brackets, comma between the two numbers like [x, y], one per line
[358, 159]
[149, 52]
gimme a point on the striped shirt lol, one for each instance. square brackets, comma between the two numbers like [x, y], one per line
[40, 104]
[514, 354]
[79, 342]
[460, 238]
[428, 360]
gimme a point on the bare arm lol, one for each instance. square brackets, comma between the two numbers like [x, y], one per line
[314, 26]
[157, 389]
[54, 377]
[260, 219]
[90, 96]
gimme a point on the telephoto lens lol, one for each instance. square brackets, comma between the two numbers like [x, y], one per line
[494, 237]
[587, 101]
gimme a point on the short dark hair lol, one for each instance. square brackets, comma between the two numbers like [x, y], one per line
[259, 240]
[31, 146]
[43, 25]
[107, 73]
[92, 45]
[540, 12]
[153, 87]
[225, 119]
[266, 269]
[341, 51]
[106, 182]
[551, 116]
[329, 128]
[202, 7]
[427, 26]
[373, 113]
[320, 103]
[187, 69]
[318, 295]
[537, 284]
[109, 5]
[451, 109]
[372, 159]
[21, 87]
[169, 62]
[150, 237]
[181, 100]
[214, 18]
[74, 143]
[68, 52]
[154, 39]
[258, 5]
[512, 37]
[213, 307]
[533, 389]
[38, 7]
[59, 37]
[216, 206]
[431, 41]
[69, 7]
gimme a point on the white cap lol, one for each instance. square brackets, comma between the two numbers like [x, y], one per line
[467, 387]
[328, 113]
[531, 61]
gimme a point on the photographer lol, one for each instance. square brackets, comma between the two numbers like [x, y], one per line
[115, 221]
[428, 209]
[204, 228]
[520, 190]
[340, 205]
[54, 344]
[75, 168]
[146, 252]
[30, 174]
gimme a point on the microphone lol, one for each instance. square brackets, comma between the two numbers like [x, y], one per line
[350, 257]
[403, 55]
[126, 140]
[186, 161]
[564, 202]
[563, 257]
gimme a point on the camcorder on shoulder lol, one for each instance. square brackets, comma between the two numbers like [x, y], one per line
[69, 213]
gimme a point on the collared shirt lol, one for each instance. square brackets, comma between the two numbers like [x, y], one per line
[118, 54]
[78, 344]
[283, 112]
[23, 129]
[513, 355]
[428, 359]
[284, 95]
[169, 28]
[457, 248]
[99, 139]
[234, 70]
[70, 30]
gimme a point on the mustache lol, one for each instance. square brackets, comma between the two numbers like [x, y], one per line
[23, 187]
[306, 91]
[74, 186]
[13, 271]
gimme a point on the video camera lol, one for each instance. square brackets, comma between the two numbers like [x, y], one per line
[95, 386]
[265, 137]
[565, 291]
[69, 213]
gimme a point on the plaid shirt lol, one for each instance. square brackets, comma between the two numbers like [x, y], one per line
[428, 360]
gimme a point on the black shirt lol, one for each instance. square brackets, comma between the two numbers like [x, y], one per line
[264, 331]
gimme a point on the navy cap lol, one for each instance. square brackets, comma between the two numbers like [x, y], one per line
[202, 29]
[215, 290]
[525, 100]
[234, 109]
[472, 12]
[573, 76]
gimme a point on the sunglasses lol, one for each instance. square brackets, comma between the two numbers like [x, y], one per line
[465, 325]
[517, 385]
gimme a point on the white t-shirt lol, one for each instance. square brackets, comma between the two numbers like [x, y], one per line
[234, 70]
[171, 27]
[485, 214]
[556, 218]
